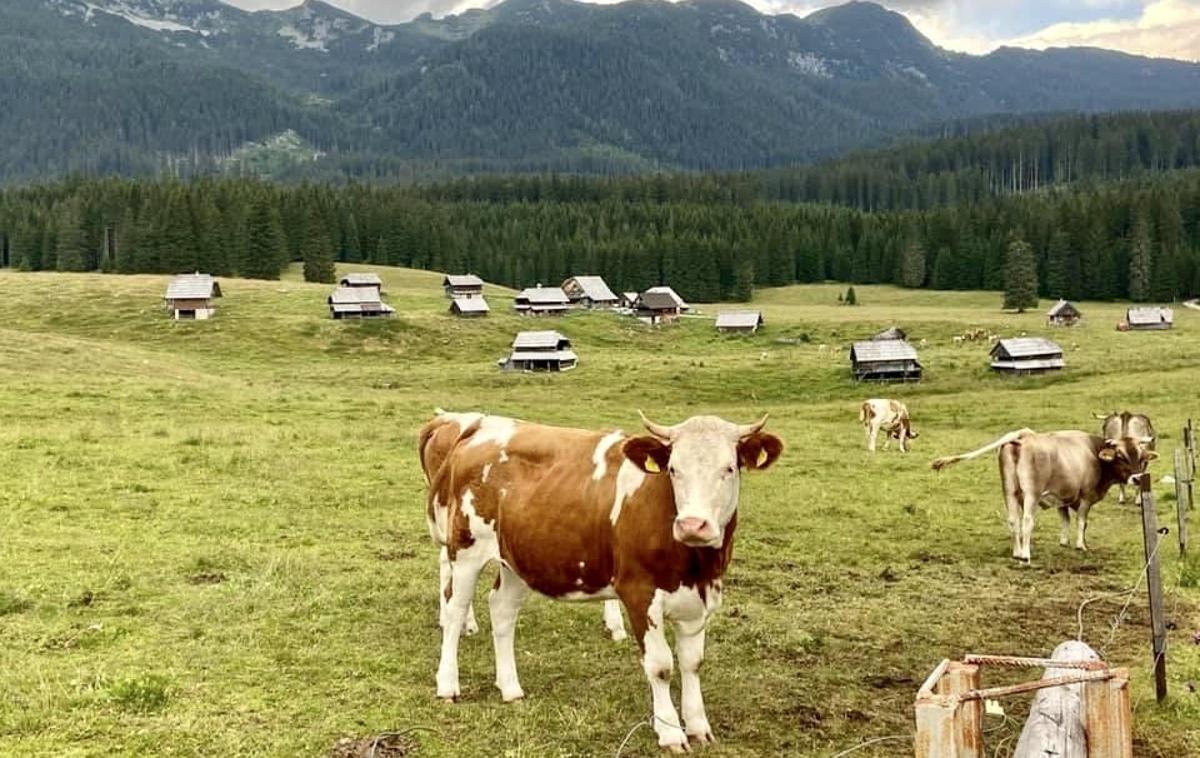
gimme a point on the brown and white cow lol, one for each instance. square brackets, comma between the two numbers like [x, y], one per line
[1126, 424]
[890, 416]
[1066, 470]
[435, 442]
[582, 515]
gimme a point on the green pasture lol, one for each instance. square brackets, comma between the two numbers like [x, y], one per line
[212, 540]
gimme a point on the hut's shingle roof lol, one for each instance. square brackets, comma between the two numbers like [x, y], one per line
[1150, 315]
[348, 295]
[1026, 347]
[362, 279]
[664, 290]
[593, 287]
[462, 280]
[739, 319]
[540, 340]
[471, 305]
[1062, 306]
[883, 350]
[544, 296]
[193, 287]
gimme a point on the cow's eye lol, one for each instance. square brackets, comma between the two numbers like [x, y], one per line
[730, 469]
[671, 470]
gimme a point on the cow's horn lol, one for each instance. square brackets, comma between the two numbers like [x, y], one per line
[658, 430]
[745, 430]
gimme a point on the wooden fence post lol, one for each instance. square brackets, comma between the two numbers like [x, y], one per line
[1108, 716]
[1183, 498]
[946, 727]
[1158, 624]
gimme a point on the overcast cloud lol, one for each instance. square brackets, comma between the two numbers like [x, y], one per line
[1165, 28]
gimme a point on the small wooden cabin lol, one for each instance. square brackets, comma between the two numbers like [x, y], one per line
[362, 279]
[659, 304]
[358, 302]
[1026, 355]
[469, 307]
[589, 292]
[540, 351]
[1149, 318]
[744, 322]
[628, 301]
[190, 296]
[462, 285]
[1063, 313]
[885, 361]
[541, 301]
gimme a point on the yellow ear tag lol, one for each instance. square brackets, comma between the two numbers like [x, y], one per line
[762, 458]
[652, 465]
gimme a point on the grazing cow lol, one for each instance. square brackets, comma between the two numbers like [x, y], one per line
[889, 416]
[1061, 469]
[580, 515]
[1126, 424]
[958, 340]
[435, 442]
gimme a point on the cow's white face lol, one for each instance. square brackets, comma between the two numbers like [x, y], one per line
[703, 458]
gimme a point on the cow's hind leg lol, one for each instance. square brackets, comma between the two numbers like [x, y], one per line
[613, 621]
[1012, 495]
[505, 603]
[1064, 534]
[464, 572]
[1081, 519]
[689, 647]
[471, 626]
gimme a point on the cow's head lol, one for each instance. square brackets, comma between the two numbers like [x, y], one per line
[1127, 456]
[703, 457]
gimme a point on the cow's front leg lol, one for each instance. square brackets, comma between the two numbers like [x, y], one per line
[646, 617]
[613, 621]
[872, 434]
[689, 646]
[1064, 532]
[1081, 526]
[1121, 493]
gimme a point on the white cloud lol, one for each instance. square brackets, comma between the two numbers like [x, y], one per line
[1166, 29]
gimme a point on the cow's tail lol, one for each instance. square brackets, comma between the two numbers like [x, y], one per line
[440, 495]
[942, 463]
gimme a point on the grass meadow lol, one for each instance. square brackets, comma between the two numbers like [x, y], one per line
[212, 539]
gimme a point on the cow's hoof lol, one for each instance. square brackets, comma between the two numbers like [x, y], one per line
[702, 738]
[677, 748]
[470, 628]
[512, 696]
[1064, 543]
[618, 635]
[451, 699]
[448, 694]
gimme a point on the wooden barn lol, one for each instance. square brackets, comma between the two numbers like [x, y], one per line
[540, 351]
[659, 304]
[628, 301]
[1027, 355]
[469, 307]
[589, 292]
[743, 322]
[1150, 318]
[1064, 313]
[358, 302]
[190, 296]
[885, 361]
[362, 279]
[462, 285]
[541, 301]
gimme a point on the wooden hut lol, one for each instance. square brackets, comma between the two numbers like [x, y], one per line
[462, 285]
[1027, 355]
[358, 302]
[540, 351]
[1149, 318]
[541, 301]
[589, 292]
[659, 304]
[885, 361]
[744, 322]
[628, 300]
[469, 307]
[190, 296]
[362, 279]
[1064, 313]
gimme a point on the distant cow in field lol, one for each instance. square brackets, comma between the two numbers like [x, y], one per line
[1066, 470]
[1126, 424]
[890, 417]
[581, 515]
[435, 443]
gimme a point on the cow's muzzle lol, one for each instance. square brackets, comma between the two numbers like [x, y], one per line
[695, 532]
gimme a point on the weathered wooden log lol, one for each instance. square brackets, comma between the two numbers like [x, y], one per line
[1057, 719]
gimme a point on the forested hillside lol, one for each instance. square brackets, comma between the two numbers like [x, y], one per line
[197, 87]
[1135, 238]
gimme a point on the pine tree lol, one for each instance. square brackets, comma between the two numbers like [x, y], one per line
[317, 252]
[351, 242]
[1057, 265]
[265, 246]
[851, 297]
[71, 243]
[912, 262]
[1020, 276]
[1141, 257]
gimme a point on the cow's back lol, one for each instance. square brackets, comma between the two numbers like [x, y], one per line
[1061, 463]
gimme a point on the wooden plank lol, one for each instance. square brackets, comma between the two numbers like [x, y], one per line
[968, 717]
[1108, 717]
[1182, 499]
[1158, 625]
[935, 729]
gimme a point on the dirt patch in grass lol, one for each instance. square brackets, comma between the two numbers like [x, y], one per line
[387, 745]
[207, 577]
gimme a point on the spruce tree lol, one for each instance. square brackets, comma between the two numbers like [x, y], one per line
[1058, 266]
[1141, 260]
[265, 245]
[851, 297]
[71, 243]
[1020, 276]
[317, 252]
[912, 262]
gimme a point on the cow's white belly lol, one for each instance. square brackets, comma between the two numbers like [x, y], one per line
[608, 593]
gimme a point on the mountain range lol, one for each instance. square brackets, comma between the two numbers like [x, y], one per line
[143, 86]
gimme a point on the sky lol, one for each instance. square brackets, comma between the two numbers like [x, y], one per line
[1161, 28]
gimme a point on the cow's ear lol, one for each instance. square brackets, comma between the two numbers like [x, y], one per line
[650, 454]
[1149, 455]
[1107, 454]
[759, 450]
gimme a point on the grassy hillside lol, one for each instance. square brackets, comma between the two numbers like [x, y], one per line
[213, 538]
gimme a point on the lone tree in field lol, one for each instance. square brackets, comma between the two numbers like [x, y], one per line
[851, 297]
[317, 252]
[1020, 276]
